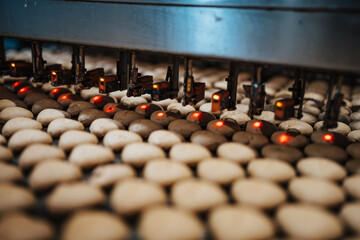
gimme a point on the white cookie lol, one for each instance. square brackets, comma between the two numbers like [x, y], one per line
[188, 153]
[352, 186]
[271, 169]
[70, 139]
[342, 128]
[10, 173]
[5, 154]
[19, 123]
[236, 152]
[26, 137]
[117, 139]
[61, 125]
[48, 115]
[101, 126]
[13, 197]
[164, 138]
[12, 112]
[88, 155]
[321, 168]
[303, 127]
[39, 152]
[137, 154]
[106, 175]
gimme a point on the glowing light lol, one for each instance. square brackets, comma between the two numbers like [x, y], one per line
[143, 106]
[16, 84]
[257, 124]
[279, 104]
[55, 90]
[64, 97]
[155, 86]
[219, 123]
[196, 114]
[109, 109]
[216, 97]
[23, 90]
[12, 64]
[102, 79]
[284, 138]
[53, 73]
[328, 137]
[96, 99]
[160, 114]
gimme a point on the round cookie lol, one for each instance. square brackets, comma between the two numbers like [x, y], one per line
[165, 139]
[48, 115]
[42, 104]
[289, 139]
[302, 221]
[87, 116]
[17, 225]
[201, 118]
[342, 128]
[127, 116]
[321, 168]
[26, 137]
[352, 186]
[112, 108]
[350, 213]
[89, 93]
[223, 127]
[188, 153]
[165, 172]
[240, 222]
[239, 117]
[2, 139]
[98, 225]
[162, 222]
[219, 171]
[61, 125]
[49, 173]
[316, 191]
[67, 98]
[164, 118]
[354, 150]
[184, 110]
[57, 92]
[106, 175]
[282, 152]
[139, 194]
[207, 139]
[36, 153]
[139, 153]
[89, 155]
[147, 109]
[10, 173]
[144, 127]
[101, 126]
[76, 107]
[67, 197]
[4, 103]
[271, 170]
[258, 193]
[237, 152]
[19, 123]
[354, 136]
[353, 166]
[13, 197]
[12, 112]
[5, 154]
[197, 195]
[303, 127]
[326, 151]
[267, 116]
[70, 139]
[260, 127]
[184, 127]
[117, 139]
[250, 139]
[329, 138]
[132, 102]
[100, 101]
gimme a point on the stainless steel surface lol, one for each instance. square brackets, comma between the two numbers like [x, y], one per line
[316, 34]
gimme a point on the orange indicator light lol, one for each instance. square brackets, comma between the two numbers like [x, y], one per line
[279, 104]
[12, 64]
[216, 97]
[102, 79]
[96, 99]
[22, 90]
[257, 124]
[160, 114]
[143, 106]
[219, 123]
[155, 86]
[109, 109]
[53, 73]
[16, 84]
[284, 139]
[328, 137]
[55, 90]
[196, 114]
[64, 97]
